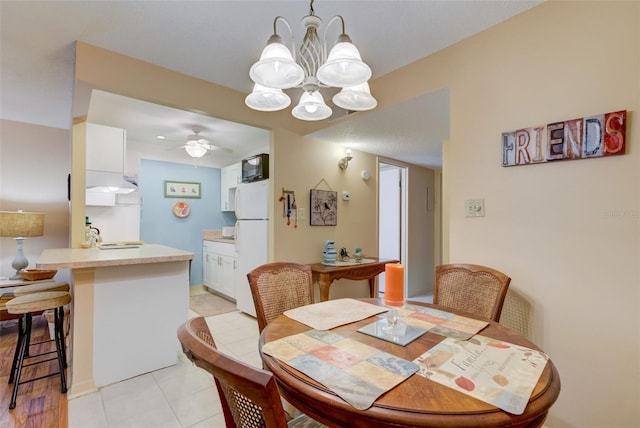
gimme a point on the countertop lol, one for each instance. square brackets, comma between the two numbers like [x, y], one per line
[75, 258]
[216, 236]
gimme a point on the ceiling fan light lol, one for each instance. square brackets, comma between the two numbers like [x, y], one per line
[196, 138]
[355, 98]
[343, 67]
[195, 150]
[276, 67]
[267, 99]
[311, 107]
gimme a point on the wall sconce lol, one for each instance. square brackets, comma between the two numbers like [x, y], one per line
[344, 162]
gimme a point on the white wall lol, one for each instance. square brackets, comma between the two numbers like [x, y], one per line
[566, 232]
[34, 163]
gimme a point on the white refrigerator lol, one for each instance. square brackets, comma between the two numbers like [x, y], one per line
[252, 215]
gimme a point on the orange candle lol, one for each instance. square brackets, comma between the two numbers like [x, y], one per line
[393, 284]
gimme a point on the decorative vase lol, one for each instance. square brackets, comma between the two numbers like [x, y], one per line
[329, 253]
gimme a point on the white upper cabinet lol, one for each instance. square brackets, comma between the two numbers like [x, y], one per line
[105, 148]
[230, 177]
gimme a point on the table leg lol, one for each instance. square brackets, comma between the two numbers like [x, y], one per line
[324, 283]
[372, 286]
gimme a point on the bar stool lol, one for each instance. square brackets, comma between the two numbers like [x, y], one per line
[25, 306]
[41, 287]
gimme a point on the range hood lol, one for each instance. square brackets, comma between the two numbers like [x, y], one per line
[108, 182]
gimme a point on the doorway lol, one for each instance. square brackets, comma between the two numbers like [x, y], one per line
[392, 212]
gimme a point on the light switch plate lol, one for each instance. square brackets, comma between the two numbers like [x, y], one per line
[301, 213]
[474, 208]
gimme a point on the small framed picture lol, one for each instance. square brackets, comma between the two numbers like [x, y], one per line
[324, 208]
[181, 189]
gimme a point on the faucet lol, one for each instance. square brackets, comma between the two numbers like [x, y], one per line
[96, 233]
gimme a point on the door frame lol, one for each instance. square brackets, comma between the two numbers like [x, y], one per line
[402, 206]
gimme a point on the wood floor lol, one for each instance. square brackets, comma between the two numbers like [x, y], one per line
[40, 403]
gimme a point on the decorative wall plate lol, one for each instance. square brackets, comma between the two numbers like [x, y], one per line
[181, 209]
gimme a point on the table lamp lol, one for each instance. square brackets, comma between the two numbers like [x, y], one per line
[20, 225]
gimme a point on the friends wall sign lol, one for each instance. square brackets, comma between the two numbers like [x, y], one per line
[583, 138]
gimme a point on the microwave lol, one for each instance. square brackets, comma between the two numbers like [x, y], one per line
[255, 168]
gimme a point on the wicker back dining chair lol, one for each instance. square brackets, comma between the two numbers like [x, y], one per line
[478, 290]
[249, 395]
[278, 287]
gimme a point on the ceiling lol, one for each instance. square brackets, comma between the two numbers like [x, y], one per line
[218, 41]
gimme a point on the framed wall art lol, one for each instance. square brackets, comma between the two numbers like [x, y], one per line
[181, 189]
[324, 208]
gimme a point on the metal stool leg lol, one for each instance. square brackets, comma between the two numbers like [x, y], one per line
[60, 349]
[28, 337]
[21, 357]
[18, 346]
[62, 338]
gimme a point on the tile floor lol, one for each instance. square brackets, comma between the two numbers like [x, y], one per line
[180, 396]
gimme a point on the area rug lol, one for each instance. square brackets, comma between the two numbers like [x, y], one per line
[208, 304]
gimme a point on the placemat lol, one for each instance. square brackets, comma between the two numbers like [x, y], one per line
[333, 313]
[356, 372]
[496, 372]
[440, 322]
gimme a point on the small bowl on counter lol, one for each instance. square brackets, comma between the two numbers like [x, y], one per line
[37, 274]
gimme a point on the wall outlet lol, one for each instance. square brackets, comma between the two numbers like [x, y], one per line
[474, 208]
[301, 214]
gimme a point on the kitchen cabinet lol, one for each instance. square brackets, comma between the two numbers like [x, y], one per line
[105, 148]
[219, 264]
[230, 177]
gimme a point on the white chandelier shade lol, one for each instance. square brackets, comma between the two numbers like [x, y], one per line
[276, 67]
[195, 150]
[311, 107]
[355, 98]
[344, 67]
[279, 69]
[267, 99]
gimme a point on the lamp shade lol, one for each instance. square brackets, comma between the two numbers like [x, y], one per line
[355, 98]
[267, 99]
[195, 150]
[276, 67]
[21, 224]
[343, 67]
[311, 107]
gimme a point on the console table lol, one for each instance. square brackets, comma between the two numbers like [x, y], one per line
[324, 275]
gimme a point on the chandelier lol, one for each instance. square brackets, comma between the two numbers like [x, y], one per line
[279, 69]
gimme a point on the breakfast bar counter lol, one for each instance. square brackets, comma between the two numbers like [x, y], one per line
[127, 304]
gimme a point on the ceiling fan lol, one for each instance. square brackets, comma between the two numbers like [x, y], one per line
[196, 146]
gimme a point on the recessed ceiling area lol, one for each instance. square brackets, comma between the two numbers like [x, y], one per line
[144, 121]
[411, 132]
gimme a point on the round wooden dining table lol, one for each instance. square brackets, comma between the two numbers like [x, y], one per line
[416, 402]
